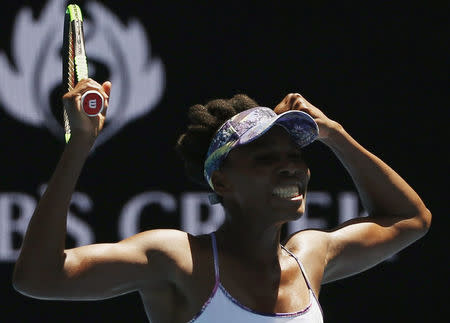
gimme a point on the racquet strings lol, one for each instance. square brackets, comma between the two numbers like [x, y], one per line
[74, 60]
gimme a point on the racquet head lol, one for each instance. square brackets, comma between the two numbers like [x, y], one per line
[75, 67]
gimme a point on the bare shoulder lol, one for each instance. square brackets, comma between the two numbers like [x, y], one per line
[311, 247]
[162, 239]
[308, 241]
[172, 245]
[169, 248]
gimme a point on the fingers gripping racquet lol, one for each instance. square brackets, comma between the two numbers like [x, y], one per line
[75, 66]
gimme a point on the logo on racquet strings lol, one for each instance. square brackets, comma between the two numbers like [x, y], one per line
[35, 71]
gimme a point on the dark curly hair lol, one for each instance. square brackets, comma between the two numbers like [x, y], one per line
[204, 122]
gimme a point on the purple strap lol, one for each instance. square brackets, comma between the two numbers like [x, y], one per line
[300, 265]
[305, 276]
[216, 260]
[216, 257]
[217, 274]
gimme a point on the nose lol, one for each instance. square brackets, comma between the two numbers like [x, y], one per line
[290, 168]
[292, 164]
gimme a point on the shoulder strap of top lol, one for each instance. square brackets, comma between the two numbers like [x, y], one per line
[305, 276]
[215, 256]
[216, 260]
[300, 265]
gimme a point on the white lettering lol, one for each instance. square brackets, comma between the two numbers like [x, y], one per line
[348, 206]
[77, 228]
[191, 215]
[131, 212]
[197, 215]
[16, 210]
[92, 104]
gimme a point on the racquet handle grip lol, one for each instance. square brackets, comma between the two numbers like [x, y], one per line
[92, 103]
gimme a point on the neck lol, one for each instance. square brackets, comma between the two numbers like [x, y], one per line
[252, 242]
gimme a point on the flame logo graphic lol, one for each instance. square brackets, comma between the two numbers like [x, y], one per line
[25, 89]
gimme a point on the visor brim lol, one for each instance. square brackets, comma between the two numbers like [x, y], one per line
[300, 126]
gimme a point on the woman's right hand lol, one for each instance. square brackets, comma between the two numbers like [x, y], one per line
[81, 125]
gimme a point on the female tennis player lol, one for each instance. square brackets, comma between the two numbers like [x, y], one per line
[251, 157]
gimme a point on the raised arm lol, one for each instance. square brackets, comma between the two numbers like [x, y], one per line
[45, 269]
[397, 215]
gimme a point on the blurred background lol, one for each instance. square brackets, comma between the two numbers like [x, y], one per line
[380, 69]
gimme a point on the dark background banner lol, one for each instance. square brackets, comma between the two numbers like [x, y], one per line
[381, 70]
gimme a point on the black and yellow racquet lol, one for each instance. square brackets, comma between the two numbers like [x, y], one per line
[75, 67]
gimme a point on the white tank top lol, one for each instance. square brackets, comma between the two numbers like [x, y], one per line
[221, 307]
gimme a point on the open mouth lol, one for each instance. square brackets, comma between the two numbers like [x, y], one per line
[287, 191]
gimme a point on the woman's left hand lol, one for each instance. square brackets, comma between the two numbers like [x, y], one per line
[294, 101]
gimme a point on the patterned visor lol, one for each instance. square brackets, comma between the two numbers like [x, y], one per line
[251, 124]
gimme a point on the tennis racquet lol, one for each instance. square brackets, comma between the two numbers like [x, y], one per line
[75, 66]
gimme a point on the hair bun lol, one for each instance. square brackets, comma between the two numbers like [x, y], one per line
[193, 145]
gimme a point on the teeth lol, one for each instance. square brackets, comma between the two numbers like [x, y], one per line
[286, 191]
